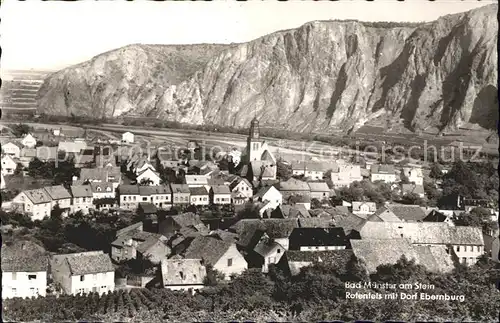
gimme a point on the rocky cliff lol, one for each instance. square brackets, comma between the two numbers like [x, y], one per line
[323, 76]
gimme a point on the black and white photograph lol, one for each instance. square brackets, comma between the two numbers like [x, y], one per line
[259, 161]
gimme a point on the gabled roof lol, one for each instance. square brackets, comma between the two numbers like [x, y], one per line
[187, 219]
[23, 256]
[407, 213]
[356, 206]
[148, 170]
[264, 247]
[103, 186]
[317, 237]
[179, 188]
[237, 181]
[316, 222]
[107, 174]
[424, 232]
[208, 248]
[196, 180]
[81, 191]
[383, 215]
[198, 191]
[293, 185]
[57, 192]
[382, 169]
[154, 190]
[435, 216]
[260, 194]
[38, 196]
[295, 211]
[83, 263]
[318, 187]
[150, 242]
[221, 189]
[128, 189]
[148, 208]
[182, 272]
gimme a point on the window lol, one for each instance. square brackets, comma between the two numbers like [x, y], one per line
[84, 199]
[31, 277]
[478, 248]
[82, 278]
[464, 260]
[230, 262]
[134, 198]
[98, 189]
[144, 199]
[14, 276]
[458, 248]
[181, 274]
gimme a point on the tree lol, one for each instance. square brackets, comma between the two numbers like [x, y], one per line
[283, 171]
[436, 171]
[21, 129]
[213, 276]
[413, 199]
[404, 179]
[477, 217]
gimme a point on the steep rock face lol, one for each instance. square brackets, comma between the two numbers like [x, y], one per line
[323, 76]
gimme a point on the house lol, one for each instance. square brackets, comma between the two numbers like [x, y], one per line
[300, 200]
[129, 196]
[180, 193]
[315, 239]
[374, 253]
[8, 165]
[197, 181]
[466, 244]
[345, 175]
[222, 255]
[294, 260]
[436, 216]
[128, 137]
[220, 194]
[293, 187]
[84, 272]
[271, 194]
[182, 274]
[199, 196]
[24, 269]
[202, 167]
[73, 147]
[268, 252]
[407, 213]
[414, 175]
[148, 176]
[310, 169]
[60, 197]
[413, 189]
[105, 161]
[363, 209]
[27, 155]
[241, 190]
[173, 224]
[11, 149]
[101, 190]
[82, 198]
[147, 210]
[29, 141]
[385, 173]
[383, 214]
[319, 190]
[107, 174]
[139, 244]
[158, 195]
[35, 202]
[46, 153]
[250, 231]
[290, 212]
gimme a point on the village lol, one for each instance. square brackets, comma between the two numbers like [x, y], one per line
[197, 216]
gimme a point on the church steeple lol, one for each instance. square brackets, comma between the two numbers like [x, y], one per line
[254, 129]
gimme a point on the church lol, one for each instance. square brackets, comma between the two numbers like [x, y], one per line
[258, 161]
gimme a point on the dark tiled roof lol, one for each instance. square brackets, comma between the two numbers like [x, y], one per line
[23, 255]
[57, 192]
[128, 189]
[318, 187]
[208, 248]
[435, 216]
[38, 196]
[317, 222]
[382, 169]
[409, 213]
[179, 188]
[91, 262]
[148, 208]
[198, 191]
[81, 191]
[187, 219]
[152, 190]
[315, 237]
[221, 189]
[103, 186]
[293, 185]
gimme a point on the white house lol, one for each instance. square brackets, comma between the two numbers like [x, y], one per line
[24, 269]
[11, 149]
[29, 141]
[414, 175]
[35, 202]
[222, 255]
[345, 174]
[384, 173]
[311, 169]
[270, 194]
[182, 274]
[149, 175]
[363, 208]
[199, 196]
[59, 196]
[243, 186]
[8, 165]
[159, 195]
[102, 190]
[128, 137]
[270, 251]
[82, 198]
[84, 272]
[220, 194]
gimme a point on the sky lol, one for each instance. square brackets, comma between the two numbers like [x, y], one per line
[50, 35]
